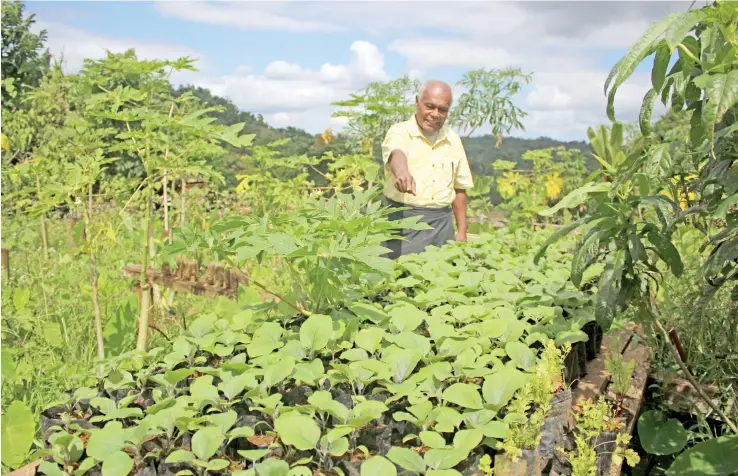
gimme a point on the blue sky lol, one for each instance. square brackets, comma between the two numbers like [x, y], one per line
[289, 60]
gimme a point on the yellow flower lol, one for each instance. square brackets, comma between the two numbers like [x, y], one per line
[510, 182]
[554, 185]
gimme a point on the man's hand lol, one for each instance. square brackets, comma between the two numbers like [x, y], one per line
[404, 181]
[459, 206]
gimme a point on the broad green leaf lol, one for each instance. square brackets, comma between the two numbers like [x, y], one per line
[722, 95]
[174, 376]
[323, 401]
[106, 441]
[117, 464]
[463, 394]
[403, 363]
[407, 459]
[557, 235]
[576, 197]
[467, 440]
[253, 455]
[21, 296]
[205, 442]
[637, 53]
[432, 439]
[279, 371]
[660, 64]
[661, 436]
[300, 471]
[714, 457]
[18, 431]
[495, 429]
[521, 354]
[500, 387]
[378, 466]
[570, 337]
[609, 290]
[316, 331]
[444, 458]
[297, 430]
[180, 456]
[646, 114]
[667, 252]
[370, 339]
[272, 467]
[369, 312]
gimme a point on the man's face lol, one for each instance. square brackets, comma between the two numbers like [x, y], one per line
[432, 108]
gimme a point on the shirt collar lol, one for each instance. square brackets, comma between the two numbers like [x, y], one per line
[415, 130]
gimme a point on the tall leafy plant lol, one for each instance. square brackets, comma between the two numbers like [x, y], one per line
[630, 223]
[488, 101]
[161, 133]
[373, 110]
[327, 247]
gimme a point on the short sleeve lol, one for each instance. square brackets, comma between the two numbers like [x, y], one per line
[394, 140]
[463, 178]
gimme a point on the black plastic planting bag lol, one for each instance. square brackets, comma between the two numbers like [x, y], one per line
[552, 431]
[604, 446]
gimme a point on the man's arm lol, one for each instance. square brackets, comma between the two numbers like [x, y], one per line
[462, 182]
[404, 181]
[459, 206]
[395, 158]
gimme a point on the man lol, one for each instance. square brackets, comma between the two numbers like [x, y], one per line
[428, 172]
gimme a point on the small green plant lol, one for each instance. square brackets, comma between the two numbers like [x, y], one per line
[594, 419]
[621, 372]
[536, 394]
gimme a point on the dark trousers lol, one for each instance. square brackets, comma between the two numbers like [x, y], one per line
[441, 221]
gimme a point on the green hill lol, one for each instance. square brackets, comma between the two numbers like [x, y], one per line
[480, 150]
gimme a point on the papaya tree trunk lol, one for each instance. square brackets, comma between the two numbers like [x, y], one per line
[152, 253]
[44, 237]
[182, 203]
[167, 226]
[96, 304]
[143, 318]
[93, 278]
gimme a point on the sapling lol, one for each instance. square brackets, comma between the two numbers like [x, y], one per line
[621, 372]
[593, 419]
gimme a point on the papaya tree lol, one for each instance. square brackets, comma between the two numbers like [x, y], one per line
[157, 130]
[488, 101]
[374, 109]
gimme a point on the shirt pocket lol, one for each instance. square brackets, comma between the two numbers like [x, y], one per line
[448, 166]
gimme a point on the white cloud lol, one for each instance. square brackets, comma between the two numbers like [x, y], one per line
[427, 53]
[259, 17]
[561, 43]
[73, 45]
[289, 94]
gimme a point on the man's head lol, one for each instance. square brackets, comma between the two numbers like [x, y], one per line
[432, 105]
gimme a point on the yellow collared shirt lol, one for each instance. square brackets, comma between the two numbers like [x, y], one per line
[439, 169]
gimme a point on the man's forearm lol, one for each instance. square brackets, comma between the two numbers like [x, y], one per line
[459, 206]
[397, 162]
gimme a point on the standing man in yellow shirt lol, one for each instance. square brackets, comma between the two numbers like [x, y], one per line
[428, 172]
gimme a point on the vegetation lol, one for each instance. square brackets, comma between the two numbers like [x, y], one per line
[333, 359]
